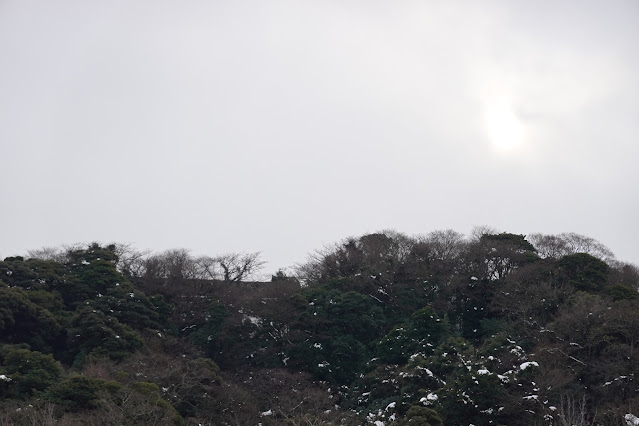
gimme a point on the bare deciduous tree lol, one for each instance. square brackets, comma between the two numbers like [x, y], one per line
[56, 254]
[130, 260]
[376, 254]
[556, 246]
[573, 412]
[179, 264]
[207, 268]
[239, 266]
[174, 264]
[444, 245]
[478, 231]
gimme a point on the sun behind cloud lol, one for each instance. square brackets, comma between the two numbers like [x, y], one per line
[504, 128]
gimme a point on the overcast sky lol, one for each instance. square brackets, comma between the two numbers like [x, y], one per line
[282, 126]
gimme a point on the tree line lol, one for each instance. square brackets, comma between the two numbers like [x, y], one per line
[385, 328]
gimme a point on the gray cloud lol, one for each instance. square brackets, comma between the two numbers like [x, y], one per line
[281, 126]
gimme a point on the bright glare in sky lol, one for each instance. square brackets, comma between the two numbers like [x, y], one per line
[505, 130]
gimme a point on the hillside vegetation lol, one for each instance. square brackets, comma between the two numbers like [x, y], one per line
[382, 329]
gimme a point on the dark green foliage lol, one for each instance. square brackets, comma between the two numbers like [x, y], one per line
[408, 331]
[584, 271]
[621, 292]
[426, 326]
[421, 416]
[345, 357]
[22, 320]
[515, 242]
[129, 306]
[92, 272]
[33, 274]
[469, 300]
[333, 312]
[421, 334]
[163, 308]
[469, 395]
[396, 346]
[87, 272]
[500, 254]
[206, 335]
[343, 326]
[147, 406]
[79, 392]
[52, 302]
[94, 333]
[29, 371]
[447, 357]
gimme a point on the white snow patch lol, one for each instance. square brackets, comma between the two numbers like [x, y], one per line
[502, 378]
[525, 365]
[631, 419]
[257, 321]
[429, 399]
[430, 373]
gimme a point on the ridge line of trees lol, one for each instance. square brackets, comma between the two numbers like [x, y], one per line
[381, 329]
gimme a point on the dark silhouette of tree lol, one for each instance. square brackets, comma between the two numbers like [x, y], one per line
[239, 266]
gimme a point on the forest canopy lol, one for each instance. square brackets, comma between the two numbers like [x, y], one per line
[381, 329]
